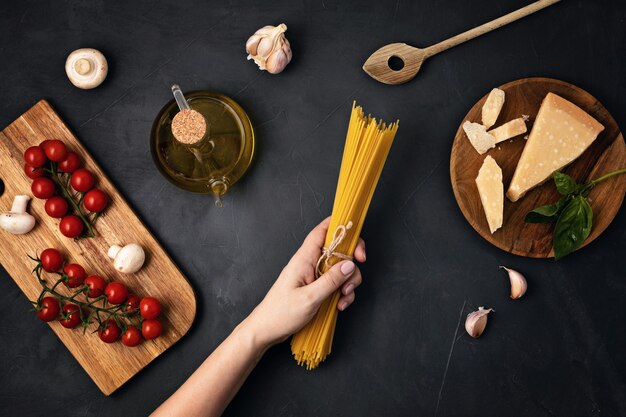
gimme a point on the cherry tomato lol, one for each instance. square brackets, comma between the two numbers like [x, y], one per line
[116, 292]
[149, 308]
[96, 286]
[73, 319]
[71, 226]
[95, 200]
[70, 164]
[55, 150]
[50, 309]
[35, 156]
[82, 180]
[151, 329]
[132, 337]
[32, 172]
[56, 207]
[76, 275]
[51, 260]
[110, 333]
[44, 143]
[42, 188]
[132, 304]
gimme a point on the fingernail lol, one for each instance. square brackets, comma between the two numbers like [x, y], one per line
[343, 305]
[347, 268]
[349, 289]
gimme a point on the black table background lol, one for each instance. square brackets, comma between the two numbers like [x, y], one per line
[401, 348]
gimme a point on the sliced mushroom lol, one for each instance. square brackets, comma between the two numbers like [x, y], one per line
[86, 68]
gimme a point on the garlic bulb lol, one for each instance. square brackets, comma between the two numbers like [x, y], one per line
[270, 48]
[476, 322]
[518, 283]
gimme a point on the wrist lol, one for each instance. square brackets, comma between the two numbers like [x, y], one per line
[251, 337]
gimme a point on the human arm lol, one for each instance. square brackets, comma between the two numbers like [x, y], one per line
[290, 304]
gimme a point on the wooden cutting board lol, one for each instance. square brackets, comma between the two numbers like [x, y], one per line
[109, 365]
[606, 154]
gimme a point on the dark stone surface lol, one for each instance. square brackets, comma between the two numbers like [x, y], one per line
[401, 349]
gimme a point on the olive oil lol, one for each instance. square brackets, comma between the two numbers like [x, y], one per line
[218, 160]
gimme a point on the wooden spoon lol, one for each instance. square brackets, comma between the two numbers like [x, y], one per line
[377, 65]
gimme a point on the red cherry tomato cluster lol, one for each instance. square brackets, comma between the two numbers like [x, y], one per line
[76, 186]
[109, 304]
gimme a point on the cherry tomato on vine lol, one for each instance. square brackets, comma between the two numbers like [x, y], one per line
[35, 156]
[149, 307]
[51, 260]
[71, 226]
[70, 164]
[76, 275]
[132, 304]
[56, 207]
[82, 180]
[50, 309]
[44, 143]
[42, 188]
[151, 329]
[116, 292]
[132, 337]
[73, 318]
[95, 200]
[55, 150]
[96, 286]
[32, 172]
[110, 332]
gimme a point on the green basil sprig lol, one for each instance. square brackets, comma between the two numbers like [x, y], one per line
[572, 213]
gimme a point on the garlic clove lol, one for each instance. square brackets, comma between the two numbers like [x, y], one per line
[476, 322]
[265, 47]
[276, 62]
[252, 44]
[518, 283]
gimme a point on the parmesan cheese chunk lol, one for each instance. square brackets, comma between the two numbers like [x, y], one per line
[491, 190]
[508, 130]
[561, 133]
[478, 137]
[492, 107]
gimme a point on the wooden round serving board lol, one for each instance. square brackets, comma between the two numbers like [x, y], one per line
[606, 154]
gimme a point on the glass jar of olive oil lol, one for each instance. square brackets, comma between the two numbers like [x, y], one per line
[219, 160]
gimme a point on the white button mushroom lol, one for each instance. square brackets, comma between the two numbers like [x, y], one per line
[86, 68]
[127, 259]
[18, 221]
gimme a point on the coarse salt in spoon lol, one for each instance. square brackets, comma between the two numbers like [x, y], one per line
[377, 65]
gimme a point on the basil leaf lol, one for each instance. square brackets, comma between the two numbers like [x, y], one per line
[546, 214]
[564, 183]
[572, 227]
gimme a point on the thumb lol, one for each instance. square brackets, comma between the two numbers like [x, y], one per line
[330, 281]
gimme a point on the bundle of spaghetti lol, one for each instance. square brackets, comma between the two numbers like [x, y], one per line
[366, 149]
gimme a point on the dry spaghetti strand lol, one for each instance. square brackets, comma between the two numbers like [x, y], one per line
[367, 146]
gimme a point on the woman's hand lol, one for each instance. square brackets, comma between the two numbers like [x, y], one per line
[291, 303]
[296, 295]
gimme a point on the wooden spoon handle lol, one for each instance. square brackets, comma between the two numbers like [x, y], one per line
[488, 27]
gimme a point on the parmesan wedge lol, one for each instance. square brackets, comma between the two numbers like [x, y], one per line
[491, 191]
[560, 134]
[509, 130]
[492, 107]
[478, 137]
